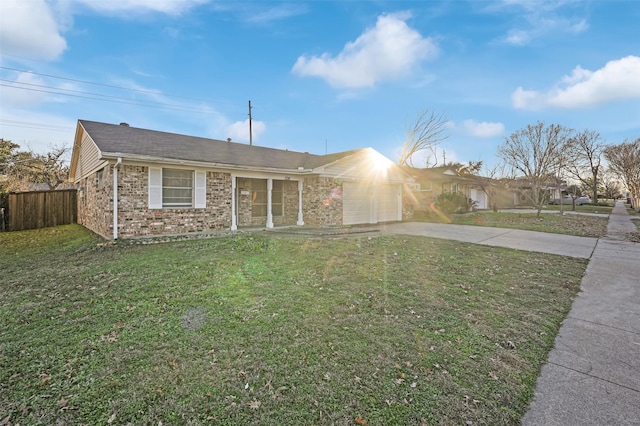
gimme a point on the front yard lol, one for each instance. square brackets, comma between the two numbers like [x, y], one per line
[267, 330]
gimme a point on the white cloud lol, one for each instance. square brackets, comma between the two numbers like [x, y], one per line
[171, 7]
[540, 18]
[483, 129]
[24, 92]
[29, 30]
[388, 51]
[276, 13]
[527, 99]
[239, 131]
[518, 37]
[617, 80]
[32, 28]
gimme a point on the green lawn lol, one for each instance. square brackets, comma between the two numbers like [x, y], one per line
[266, 330]
[585, 208]
[571, 224]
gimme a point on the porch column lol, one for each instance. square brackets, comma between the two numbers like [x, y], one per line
[300, 218]
[234, 221]
[269, 212]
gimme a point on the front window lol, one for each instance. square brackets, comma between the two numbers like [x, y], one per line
[177, 188]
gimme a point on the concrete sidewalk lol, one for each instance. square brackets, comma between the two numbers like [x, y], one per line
[593, 373]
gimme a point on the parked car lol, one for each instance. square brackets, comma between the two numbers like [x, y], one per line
[568, 200]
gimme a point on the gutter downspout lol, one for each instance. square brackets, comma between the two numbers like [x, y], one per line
[115, 197]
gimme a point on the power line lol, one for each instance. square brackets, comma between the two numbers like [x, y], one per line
[137, 103]
[59, 90]
[113, 86]
[32, 125]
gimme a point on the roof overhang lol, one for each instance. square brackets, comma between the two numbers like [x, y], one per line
[200, 164]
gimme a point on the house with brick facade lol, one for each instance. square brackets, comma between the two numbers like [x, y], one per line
[135, 182]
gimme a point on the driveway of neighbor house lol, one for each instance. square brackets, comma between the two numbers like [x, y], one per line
[593, 373]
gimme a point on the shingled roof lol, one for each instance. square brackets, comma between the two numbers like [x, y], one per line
[125, 141]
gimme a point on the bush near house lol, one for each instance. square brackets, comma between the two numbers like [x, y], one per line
[451, 202]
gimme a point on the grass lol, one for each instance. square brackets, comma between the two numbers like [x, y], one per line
[585, 208]
[580, 225]
[265, 330]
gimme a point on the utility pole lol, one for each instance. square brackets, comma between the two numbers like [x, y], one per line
[250, 130]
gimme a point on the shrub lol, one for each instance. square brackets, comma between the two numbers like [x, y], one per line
[451, 202]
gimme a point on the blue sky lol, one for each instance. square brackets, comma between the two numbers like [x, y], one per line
[321, 75]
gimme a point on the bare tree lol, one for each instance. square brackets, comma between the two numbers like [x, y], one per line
[610, 184]
[22, 169]
[584, 157]
[426, 132]
[50, 168]
[624, 161]
[534, 154]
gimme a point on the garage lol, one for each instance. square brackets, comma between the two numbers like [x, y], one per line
[356, 203]
[388, 204]
[363, 203]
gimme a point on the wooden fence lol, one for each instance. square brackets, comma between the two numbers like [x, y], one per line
[41, 209]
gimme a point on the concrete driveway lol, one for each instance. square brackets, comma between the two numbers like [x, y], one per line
[565, 245]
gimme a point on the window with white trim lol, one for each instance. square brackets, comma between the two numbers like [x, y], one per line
[177, 188]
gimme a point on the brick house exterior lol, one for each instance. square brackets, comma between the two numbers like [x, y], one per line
[165, 184]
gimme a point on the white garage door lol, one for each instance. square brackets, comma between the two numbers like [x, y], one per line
[388, 203]
[480, 198]
[356, 203]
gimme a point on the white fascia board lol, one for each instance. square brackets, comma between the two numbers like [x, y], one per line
[201, 165]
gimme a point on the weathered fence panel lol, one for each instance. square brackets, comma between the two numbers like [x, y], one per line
[41, 209]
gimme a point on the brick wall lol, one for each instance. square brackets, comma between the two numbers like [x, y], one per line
[322, 205]
[290, 203]
[95, 202]
[135, 219]
[95, 206]
[322, 201]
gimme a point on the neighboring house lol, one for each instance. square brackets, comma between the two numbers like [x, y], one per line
[433, 181]
[161, 183]
[549, 189]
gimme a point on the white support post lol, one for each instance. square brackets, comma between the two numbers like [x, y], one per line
[115, 197]
[234, 221]
[300, 217]
[269, 211]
